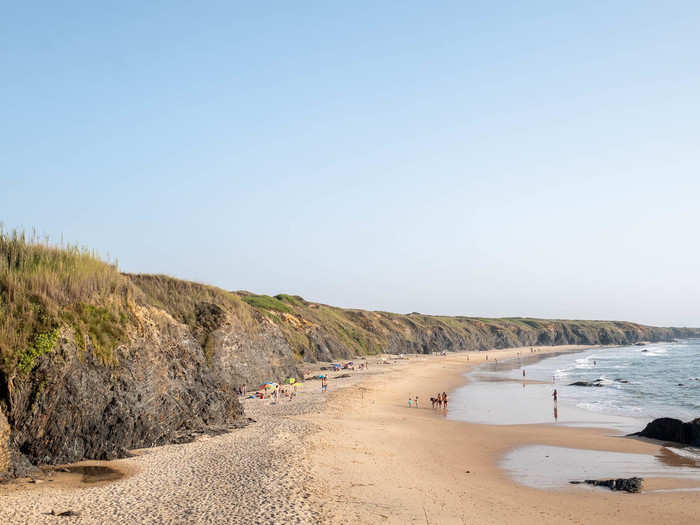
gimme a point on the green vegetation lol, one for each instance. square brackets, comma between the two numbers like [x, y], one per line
[265, 302]
[294, 300]
[49, 291]
[42, 344]
[43, 287]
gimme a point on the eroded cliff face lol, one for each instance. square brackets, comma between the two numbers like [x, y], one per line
[183, 349]
[161, 387]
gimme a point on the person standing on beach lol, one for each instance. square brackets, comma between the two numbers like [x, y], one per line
[416, 401]
[444, 400]
[410, 402]
[554, 396]
[523, 372]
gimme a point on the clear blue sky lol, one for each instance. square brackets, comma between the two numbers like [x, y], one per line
[525, 158]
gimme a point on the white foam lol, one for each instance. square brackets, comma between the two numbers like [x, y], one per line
[688, 453]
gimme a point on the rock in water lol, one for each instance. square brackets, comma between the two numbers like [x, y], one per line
[622, 484]
[670, 429]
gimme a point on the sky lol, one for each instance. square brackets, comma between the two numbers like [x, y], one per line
[468, 158]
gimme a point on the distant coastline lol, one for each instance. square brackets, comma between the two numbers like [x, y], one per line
[97, 362]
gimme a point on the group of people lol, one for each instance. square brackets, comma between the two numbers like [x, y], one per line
[241, 390]
[289, 391]
[440, 400]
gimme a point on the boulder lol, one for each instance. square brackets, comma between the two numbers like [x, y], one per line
[670, 429]
[585, 383]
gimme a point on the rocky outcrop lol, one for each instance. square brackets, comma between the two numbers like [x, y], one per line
[670, 429]
[161, 387]
[632, 485]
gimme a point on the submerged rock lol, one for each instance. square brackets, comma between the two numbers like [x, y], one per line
[586, 383]
[670, 429]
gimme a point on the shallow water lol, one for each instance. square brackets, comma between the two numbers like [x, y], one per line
[638, 384]
[643, 382]
[94, 473]
[512, 403]
[542, 466]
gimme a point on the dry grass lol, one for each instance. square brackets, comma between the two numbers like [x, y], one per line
[43, 287]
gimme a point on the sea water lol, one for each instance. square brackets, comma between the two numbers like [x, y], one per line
[641, 382]
[638, 383]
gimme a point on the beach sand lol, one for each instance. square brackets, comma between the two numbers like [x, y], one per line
[382, 462]
[357, 454]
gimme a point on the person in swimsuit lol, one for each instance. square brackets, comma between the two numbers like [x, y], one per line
[444, 400]
[554, 396]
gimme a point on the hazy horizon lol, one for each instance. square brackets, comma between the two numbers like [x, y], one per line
[491, 161]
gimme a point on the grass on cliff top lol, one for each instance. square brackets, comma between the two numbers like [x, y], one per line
[180, 298]
[44, 287]
[265, 302]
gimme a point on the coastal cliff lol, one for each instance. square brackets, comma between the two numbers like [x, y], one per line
[94, 362]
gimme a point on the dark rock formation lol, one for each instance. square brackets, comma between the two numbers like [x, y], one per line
[586, 383]
[670, 429]
[163, 386]
[623, 484]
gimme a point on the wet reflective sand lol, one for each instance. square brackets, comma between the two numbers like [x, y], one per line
[542, 466]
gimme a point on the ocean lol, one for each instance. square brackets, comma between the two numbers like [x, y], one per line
[640, 382]
[637, 384]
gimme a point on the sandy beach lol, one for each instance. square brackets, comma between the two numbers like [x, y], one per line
[357, 454]
[384, 462]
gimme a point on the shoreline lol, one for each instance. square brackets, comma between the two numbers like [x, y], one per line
[357, 454]
[398, 465]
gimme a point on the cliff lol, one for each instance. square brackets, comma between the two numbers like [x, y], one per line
[94, 362]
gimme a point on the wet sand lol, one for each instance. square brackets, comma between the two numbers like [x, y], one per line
[382, 462]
